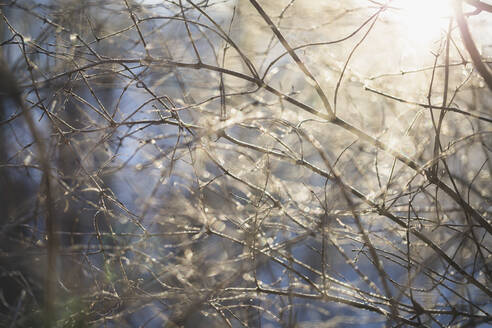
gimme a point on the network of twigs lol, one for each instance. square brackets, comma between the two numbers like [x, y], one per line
[242, 163]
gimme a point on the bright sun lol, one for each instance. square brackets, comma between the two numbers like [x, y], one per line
[422, 20]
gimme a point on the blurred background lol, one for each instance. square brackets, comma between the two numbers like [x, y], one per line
[284, 163]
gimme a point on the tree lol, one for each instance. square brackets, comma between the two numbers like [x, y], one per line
[245, 163]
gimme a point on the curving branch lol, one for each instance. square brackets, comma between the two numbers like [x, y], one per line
[467, 38]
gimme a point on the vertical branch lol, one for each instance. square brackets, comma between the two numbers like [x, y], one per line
[470, 46]
[437, 139]
[190, 36]
[50, 220]
[135, 23]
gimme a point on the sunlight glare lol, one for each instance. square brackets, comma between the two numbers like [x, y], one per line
[423, 20]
